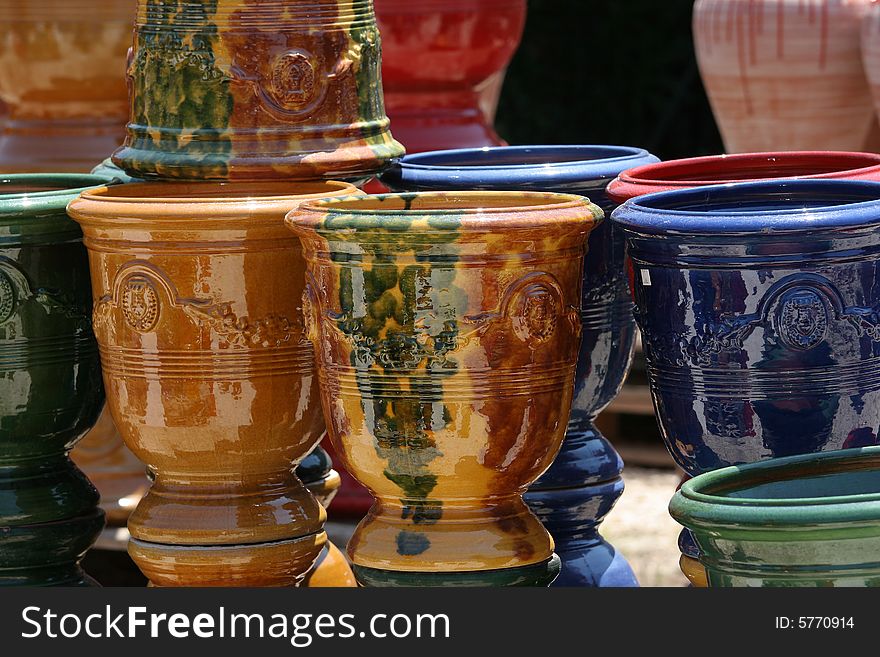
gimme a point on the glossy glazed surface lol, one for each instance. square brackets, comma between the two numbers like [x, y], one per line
[443, 64]
[209, 376]
[743, 167]
[608, 330]
[234, 89]
[50, 383]
[758, 308]
[447, 332]
[809, 520]
[62, 78]
[760, 60]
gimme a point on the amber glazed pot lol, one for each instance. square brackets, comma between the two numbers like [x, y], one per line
[209, 376]
[62, 77]
[447, 334]
[231, 89]
[50, 383]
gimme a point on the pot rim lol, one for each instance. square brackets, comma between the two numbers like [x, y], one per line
[64, 186]
[701, 502]
[583, 163]
[657, 213]
[562, 209]
[645, 179]
[114, 193]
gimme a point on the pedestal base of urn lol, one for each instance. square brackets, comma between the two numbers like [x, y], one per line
[48, 554]
[331, 570]
[572, 498]
[57, 146]
[278, 564]
[572, 517]
[537, 575]
[694, 571]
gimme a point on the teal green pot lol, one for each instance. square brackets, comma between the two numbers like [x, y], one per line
[50, 382]
[810, 520]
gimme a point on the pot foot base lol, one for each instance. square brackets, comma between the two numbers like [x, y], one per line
[281, 563]
[538, 575]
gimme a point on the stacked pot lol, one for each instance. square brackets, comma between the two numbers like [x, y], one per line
[757, 305]
[238, 113]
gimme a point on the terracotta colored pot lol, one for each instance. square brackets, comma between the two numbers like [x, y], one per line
[240, 90]
[870, 41]
[718, 169]
[785, 74]
[443, 66]
[62, 76]
[50, 383]
[810, 520]
[584, 482]
[209, 376]
[447, 331]
[757, 304]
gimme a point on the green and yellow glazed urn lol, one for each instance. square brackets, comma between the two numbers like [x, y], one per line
[805, 521]
[50, 382]
[446, 330]
[237, 90]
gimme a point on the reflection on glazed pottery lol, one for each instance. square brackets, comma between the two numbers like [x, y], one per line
[119, 477]
[50, 383]
[807, 521]
[584, 481]
[62, 77]
[443, 65]
[702, 171]
[446, 330]
[209, 376]
[785, 74]
[241, 90]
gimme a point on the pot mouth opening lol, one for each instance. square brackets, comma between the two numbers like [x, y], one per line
[717, 169]
[39, 185]
[187, 192]
[520, 157]
[447, 203]
[842, 477]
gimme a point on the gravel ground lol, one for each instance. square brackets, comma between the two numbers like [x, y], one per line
[639, 527]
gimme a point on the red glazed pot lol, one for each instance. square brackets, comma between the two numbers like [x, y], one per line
[716, 169]
[443, 64]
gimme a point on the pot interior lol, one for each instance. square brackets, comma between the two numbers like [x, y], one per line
[213, 191]
[511, 156]
[452, 202]
[791, 196]
[763, 166]
[819, 478]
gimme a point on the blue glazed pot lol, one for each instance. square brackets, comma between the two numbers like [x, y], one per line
[584, 482]
[759, 306]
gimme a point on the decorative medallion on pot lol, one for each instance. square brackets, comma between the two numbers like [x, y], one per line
[758, 309]
[62, 78]
[242, 90]
[210, 378]
[447, 328]
[810, 520]
[584, 481]
[50, 383]
[785, 74]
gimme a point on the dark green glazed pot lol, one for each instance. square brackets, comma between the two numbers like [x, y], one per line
[50, 382]
[810, 520]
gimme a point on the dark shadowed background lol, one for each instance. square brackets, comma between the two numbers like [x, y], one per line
[608, 71]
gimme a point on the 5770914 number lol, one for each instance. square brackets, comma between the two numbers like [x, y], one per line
[815, 623]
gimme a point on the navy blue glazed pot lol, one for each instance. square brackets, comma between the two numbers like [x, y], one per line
[759, 306]
[583, 484]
